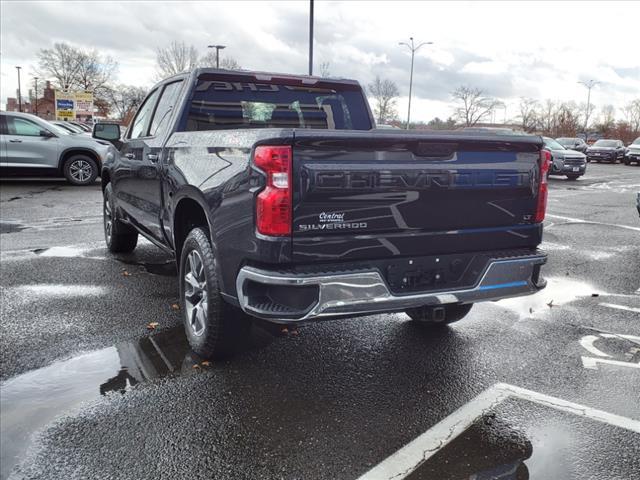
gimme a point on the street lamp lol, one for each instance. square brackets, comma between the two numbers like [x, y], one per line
[36, 82]
[19, 91]
[590, 84]
[413, 49]
[218, 48]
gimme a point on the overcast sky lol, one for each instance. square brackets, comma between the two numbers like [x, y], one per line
[510, 50]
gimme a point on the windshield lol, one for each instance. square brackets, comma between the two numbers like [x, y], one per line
[56, 129]
[69, 128]
[566, 141]
[552, 144]
[636, 141]
[605, 143]
[287, 104]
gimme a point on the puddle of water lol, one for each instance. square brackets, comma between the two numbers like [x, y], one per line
[59, 252]
[559, 291]
[51, 290]
[31, 401]
[11, 227]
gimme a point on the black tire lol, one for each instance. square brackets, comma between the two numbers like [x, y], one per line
[80, 170]
[452, 313]
[627, 161]
[572, 177]
[119, 237]
[214, 328]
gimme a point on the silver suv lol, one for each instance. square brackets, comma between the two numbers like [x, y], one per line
[30, 146]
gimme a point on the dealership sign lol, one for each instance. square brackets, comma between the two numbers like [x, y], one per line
[70, 105]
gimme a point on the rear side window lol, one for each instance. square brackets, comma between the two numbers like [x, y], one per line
[165, 106]
[3, 125]
[22, 126]
[219, 105]
[140, 125]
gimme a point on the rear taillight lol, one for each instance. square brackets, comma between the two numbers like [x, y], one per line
[273, 204]
[543, 186]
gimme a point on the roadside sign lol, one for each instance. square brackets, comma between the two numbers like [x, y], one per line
[65, 105]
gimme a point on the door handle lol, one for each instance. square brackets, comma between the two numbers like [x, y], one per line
[153, 157]
[15, 140]
[130, 156]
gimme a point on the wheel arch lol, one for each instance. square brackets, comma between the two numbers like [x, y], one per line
[190, 210]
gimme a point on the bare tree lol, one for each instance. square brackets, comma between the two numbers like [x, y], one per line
[123, 99]
[528, 113]
[567, 120]
[177, 57]
[385, 93]
[228, 63]
[632, 114]
[73, 68]
[95, 71]
[474, 105]
[548, 117]
[325, 69]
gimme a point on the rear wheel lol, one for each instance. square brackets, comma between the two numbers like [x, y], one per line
[80, 170]
[120, 237]
[439, 315]
[214, 328]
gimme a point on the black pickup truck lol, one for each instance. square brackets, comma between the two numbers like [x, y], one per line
[280, 200]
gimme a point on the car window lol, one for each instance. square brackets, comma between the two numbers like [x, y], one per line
[140, 125]
[165, 106]
[3, 125]
[22, 126]
[552, 144]
[605, 143]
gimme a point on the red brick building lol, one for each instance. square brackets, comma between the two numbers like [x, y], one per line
[45, 103]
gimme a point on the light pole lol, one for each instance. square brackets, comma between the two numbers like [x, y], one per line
[413, 49]
[590, 84]
[310, 37]
[19, 91]
[218, 48]
[36, 82]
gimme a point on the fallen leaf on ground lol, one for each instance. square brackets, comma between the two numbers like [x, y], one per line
[126, 274]
[196, 366]
[206, 363]
[175, 306]
[152, 325]
[550, 304]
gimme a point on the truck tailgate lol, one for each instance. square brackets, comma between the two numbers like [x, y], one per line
[379, 194]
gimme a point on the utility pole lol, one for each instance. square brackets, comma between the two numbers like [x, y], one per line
[590, 84]
[310, 37]
[19, 91]
[413, 49]
[218, 48]
[36, 81]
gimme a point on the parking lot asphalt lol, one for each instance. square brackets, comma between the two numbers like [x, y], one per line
[544, 386]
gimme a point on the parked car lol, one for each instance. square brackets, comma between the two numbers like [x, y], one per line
[633, 153]
[605, 150]
[69, 127]
[573, 143]
[565, 162]
[81, 125]
[30, 146]
[280, 200]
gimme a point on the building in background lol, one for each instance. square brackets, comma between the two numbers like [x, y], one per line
[45, 104]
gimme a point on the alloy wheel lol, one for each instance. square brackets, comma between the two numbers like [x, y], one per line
[195, 293]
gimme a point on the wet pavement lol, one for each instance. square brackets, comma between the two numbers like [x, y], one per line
[88, 391]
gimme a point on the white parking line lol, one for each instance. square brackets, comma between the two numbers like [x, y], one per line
[579, 220]
[400, 464]
[620, 307]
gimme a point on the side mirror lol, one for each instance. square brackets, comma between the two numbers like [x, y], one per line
[46, 134]
[106, 131]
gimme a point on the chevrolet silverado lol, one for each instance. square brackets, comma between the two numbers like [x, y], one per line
[280, 200]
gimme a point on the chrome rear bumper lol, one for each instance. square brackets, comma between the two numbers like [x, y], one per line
[344, 294]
